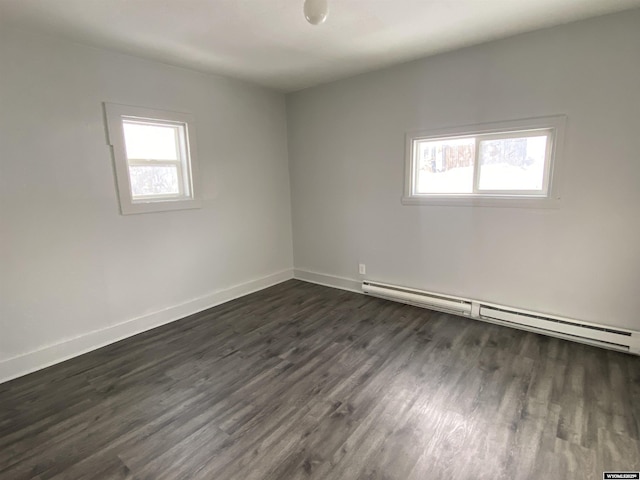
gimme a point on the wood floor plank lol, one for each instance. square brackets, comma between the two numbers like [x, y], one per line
[300, 381]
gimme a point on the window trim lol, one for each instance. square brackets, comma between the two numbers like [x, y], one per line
[491, 198]
[115, 114]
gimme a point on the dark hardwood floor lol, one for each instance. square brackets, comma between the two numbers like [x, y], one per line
[301, 381]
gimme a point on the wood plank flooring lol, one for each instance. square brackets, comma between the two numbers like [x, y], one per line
[300, 381]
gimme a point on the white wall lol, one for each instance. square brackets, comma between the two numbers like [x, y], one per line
[70, 264]
[75, 274]
[582, 260]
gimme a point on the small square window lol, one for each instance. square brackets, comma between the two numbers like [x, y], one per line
[500, 164]
[154, 156]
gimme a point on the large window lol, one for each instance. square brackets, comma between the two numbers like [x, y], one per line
[154, 154]
[499, 164]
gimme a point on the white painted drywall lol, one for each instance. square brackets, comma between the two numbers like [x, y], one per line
[582, 260]
[70, 263]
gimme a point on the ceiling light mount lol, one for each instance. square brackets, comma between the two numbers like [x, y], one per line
[316, 11]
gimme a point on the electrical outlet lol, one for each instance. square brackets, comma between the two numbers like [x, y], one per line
[362, 268]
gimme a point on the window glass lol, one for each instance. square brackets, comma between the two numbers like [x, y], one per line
[512, 163]
[445, 166]
[154, 180]
[149, 141]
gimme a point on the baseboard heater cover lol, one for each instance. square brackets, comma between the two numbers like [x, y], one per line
[584, 332]
[417, 297]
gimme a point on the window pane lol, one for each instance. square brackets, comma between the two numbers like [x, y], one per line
[151, 180]
[513, 163]
[150, 142]
[445, 166]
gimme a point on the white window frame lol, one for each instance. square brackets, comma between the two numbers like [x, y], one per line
[187, 165]
[553, 126]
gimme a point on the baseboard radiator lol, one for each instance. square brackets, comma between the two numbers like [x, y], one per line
[584, 332]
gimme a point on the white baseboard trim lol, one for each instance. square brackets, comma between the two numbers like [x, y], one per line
[342, 283]
[50, 355]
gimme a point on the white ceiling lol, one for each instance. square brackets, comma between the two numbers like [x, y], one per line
[270, 43]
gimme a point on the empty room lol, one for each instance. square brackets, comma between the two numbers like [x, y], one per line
[319, 239]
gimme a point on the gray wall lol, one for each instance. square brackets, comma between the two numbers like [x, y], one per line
[71, 265]
[582, 260]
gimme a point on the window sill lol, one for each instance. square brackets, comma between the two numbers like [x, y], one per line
[158, 206]
[481, 201]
